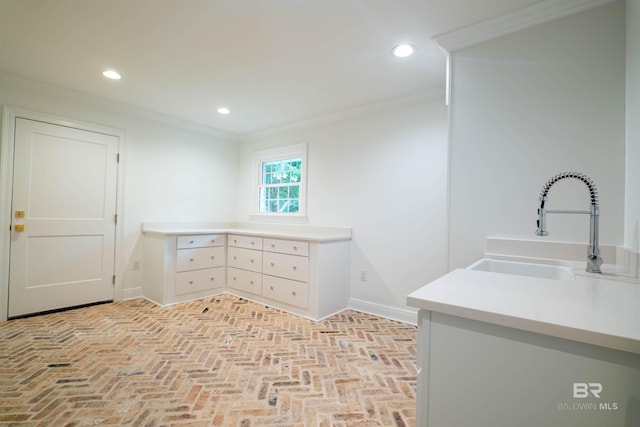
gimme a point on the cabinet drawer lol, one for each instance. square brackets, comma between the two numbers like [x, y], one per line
[199, 280]
[291, 247]
[289, 266]
[248, 281]
[199, 258]
[201, 241]
[287, 291]
[246, 259]
[248, 242]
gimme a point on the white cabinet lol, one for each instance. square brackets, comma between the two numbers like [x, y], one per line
[189, 282]
[287, 291]
[310, 279]
[268, 271]
[247, 259]
[244, 265]
[199, 258]
[201, 241]
[473, 373]
[291, 247]
[182, 268]
[244, 281]
[247, 242]
[288, 266]
[286, 277]
[306, 274]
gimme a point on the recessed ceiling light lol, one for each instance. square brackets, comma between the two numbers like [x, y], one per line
[113, 75]
[223, 110]
[403, 50]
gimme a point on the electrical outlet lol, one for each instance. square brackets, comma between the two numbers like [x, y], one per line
[136, 265]
[363, 275]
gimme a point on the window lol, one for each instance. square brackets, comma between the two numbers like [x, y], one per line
[281, 181]
[280, 186]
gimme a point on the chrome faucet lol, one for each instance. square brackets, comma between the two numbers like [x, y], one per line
[594, 260]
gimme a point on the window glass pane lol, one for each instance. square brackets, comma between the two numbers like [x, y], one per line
[283, 192]
[281, 171]
[283, 205]
[279, 198]
[280, 185]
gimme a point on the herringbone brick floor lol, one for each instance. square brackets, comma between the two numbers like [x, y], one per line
[218, 361]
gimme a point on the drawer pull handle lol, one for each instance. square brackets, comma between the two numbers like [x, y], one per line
[295, 248]
[211, 279]
[253, 243]
[191, 242]
[293, 293]
[191, 282]
[251, 260]
[295, 268]
[191, 259]
[235, 257]
[251, 282]
[235, 241]
[273, 265]
[271, 287]
[273, 245]
[213, 257]
[234, 278]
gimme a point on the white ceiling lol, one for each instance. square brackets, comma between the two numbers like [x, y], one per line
[271, 62]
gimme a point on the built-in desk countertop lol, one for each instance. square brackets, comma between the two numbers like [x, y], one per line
[306, 233]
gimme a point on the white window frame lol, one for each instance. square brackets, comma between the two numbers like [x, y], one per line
[275, 154]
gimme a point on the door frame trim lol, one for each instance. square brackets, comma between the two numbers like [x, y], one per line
[9, 116]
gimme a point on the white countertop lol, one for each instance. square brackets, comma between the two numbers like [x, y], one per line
[311, 234]
[601, 309]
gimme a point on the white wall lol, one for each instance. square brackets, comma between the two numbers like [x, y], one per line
[527, 106]
[632, 213]
[170, 174]
[384, 175]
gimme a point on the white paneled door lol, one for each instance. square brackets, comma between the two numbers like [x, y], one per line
[63, 217]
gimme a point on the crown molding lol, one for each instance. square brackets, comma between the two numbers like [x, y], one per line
[526, 17]
[57, 91]
[429, 95]
[39, 86]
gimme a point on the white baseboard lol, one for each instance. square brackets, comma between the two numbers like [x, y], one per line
[403, 315]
